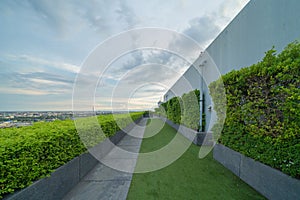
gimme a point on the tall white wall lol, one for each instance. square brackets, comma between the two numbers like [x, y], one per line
[187, 82]
[261, 25]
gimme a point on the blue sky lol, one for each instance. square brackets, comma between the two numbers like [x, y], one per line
[43, 44]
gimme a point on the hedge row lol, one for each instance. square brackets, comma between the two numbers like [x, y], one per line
[30, 153]
[183, 110]
[263, 110]
[91, 134]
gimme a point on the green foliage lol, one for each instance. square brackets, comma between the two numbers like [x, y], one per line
[263, 110]
[162, 110]
[30, 153]
[182, 110]
[191, 111]
[91, 133]
[174, 106]
[146, 114]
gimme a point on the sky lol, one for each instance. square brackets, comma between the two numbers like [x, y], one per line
[45, 43]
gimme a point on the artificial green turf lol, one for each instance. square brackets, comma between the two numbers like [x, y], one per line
[188, 177]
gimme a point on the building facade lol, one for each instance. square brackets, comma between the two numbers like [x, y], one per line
[261, 25]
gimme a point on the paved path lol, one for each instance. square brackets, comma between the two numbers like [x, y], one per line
[106, 183]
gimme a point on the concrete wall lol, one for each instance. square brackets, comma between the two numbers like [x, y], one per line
[59, 183]
[67, 176]
[270, 182]
[261, 25]
[198, 76]
[189, 81]
[198, 138]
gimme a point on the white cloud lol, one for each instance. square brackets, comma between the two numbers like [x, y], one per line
[126, 14]
[101, 16]
[20, 91]
[55, 80]
[47, 82]
[41, 35]
[36, 61]
[230, 8]
[55, 16]
[203, 29]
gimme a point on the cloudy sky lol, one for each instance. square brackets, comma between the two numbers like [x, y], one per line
[44, 43]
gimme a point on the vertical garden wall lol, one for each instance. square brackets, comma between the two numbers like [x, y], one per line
[263, 110]
[183, 110]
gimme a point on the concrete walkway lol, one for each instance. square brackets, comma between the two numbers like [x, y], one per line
[106, 183]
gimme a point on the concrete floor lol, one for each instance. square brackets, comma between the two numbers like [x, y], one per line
[111, 178]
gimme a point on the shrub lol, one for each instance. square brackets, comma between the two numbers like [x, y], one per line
[191, 109]
[183, 110]
[174, 106]
[30, 153]
[263, 110]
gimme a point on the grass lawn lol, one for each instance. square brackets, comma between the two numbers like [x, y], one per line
[188, 177]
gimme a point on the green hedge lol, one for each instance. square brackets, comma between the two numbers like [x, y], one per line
[263, 110]
[174, 109]
[183, 110]
[161, 110]
[191, 109]
[89, 131]
[30, 153]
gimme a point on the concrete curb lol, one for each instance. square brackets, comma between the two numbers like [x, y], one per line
[198, 138]
[271, 183]
[60, 182]
[63, 179]
[106, 180]
[103, 148]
